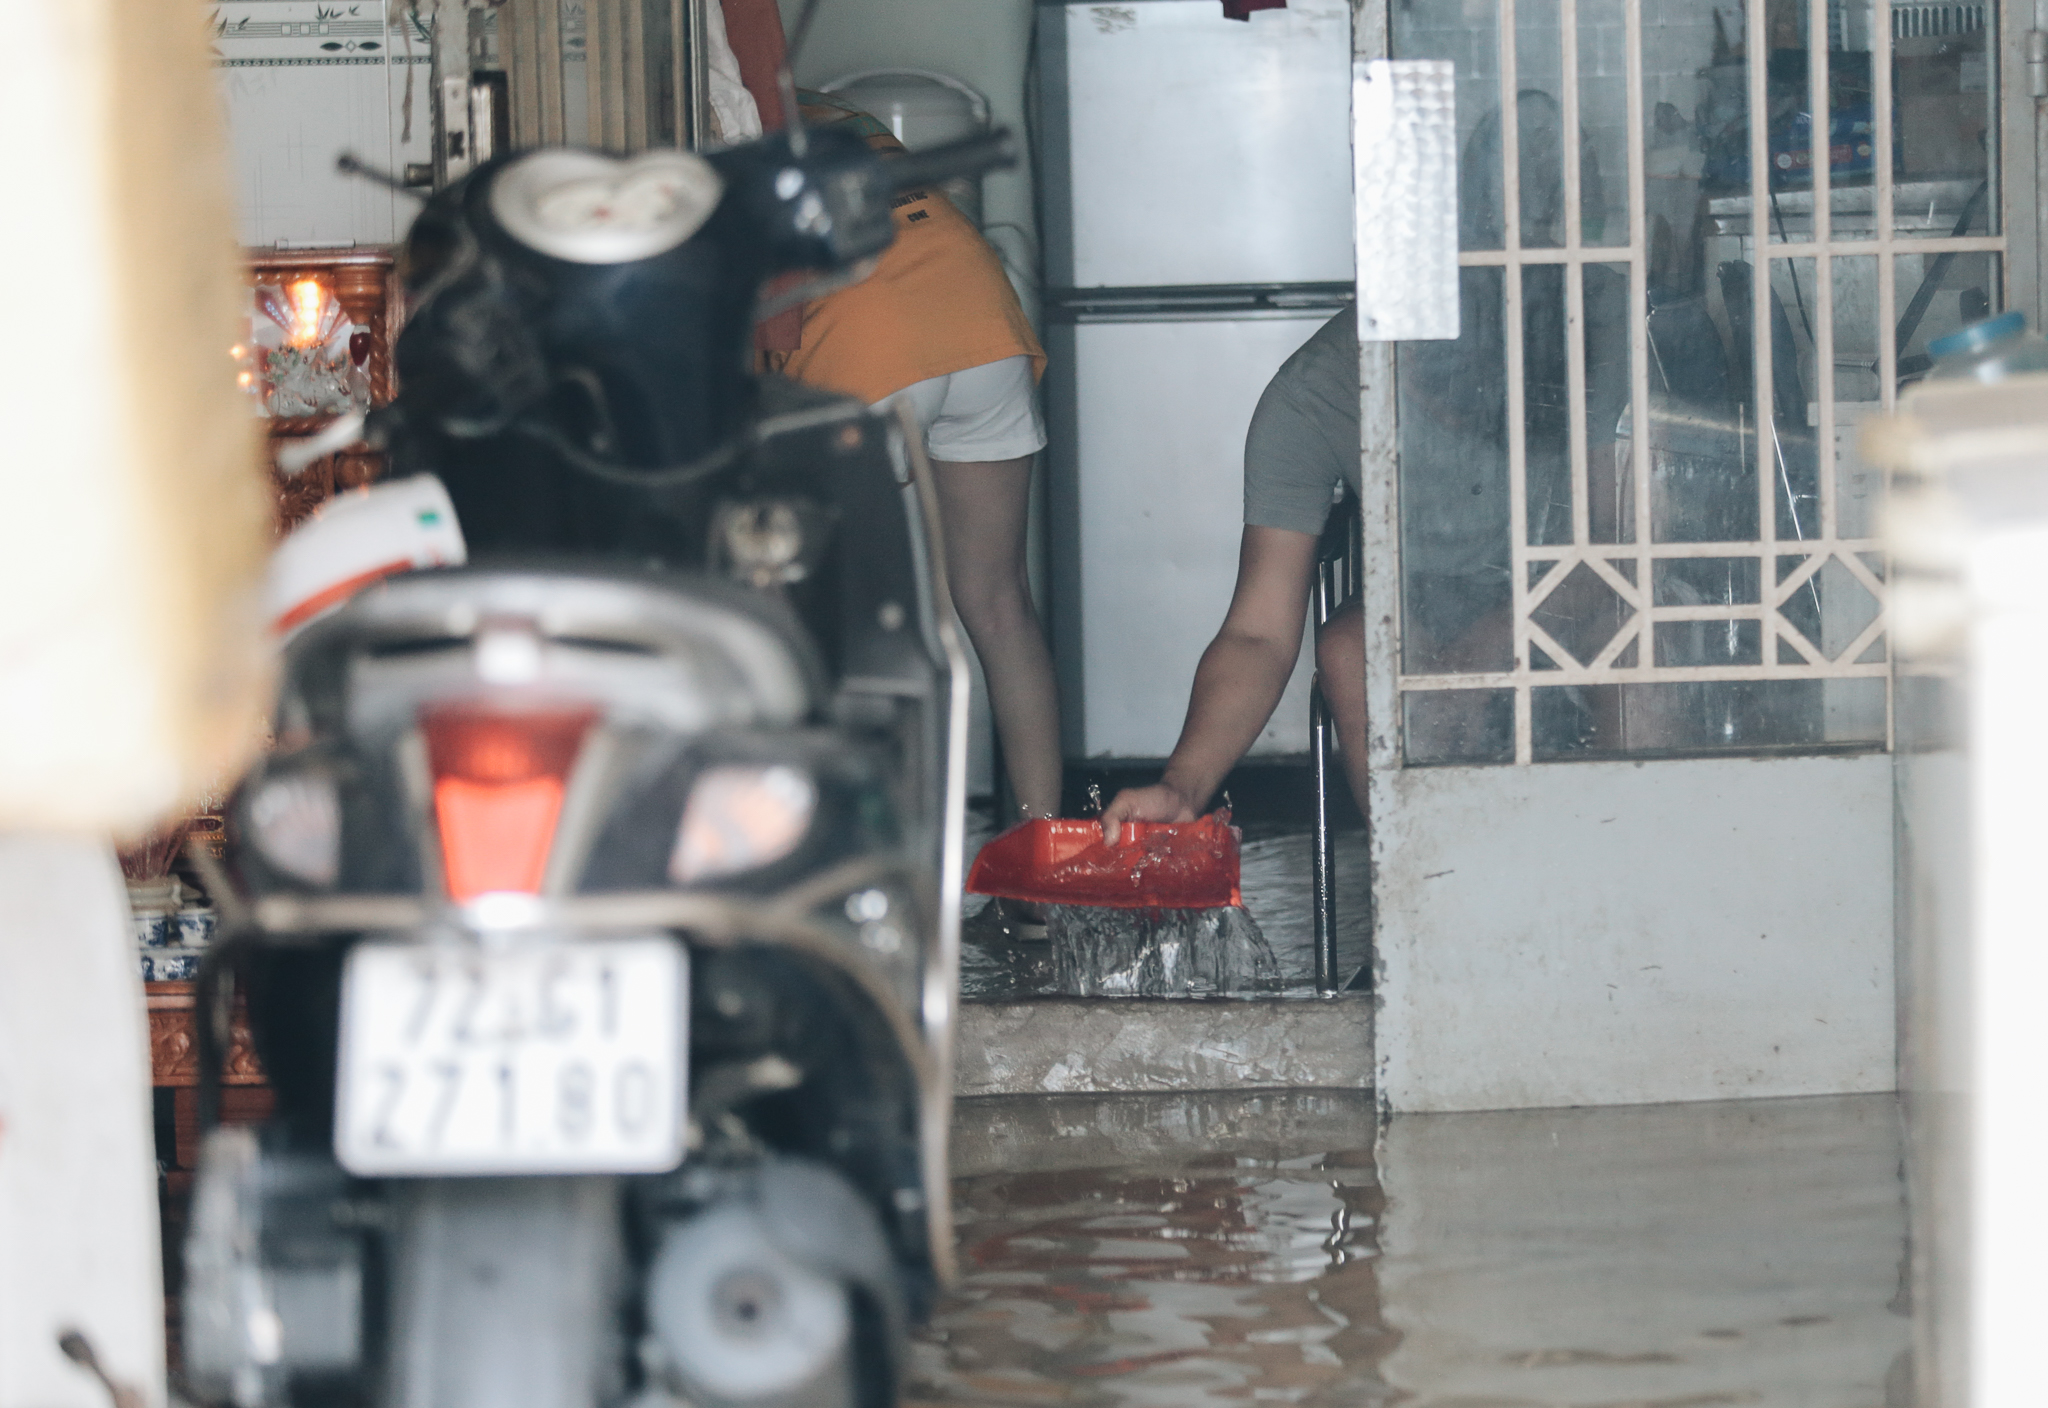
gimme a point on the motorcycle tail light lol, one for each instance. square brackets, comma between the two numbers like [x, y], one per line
[499, 779]
[739, 819]
[295, 825]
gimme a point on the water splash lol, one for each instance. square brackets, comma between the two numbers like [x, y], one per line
[1103, 952]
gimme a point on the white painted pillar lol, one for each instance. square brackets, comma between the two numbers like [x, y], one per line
[2008, 720]
[78, 1223]
[134, 523]
[1969, 532]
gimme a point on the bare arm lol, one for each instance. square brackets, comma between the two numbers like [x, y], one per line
[1239, 682]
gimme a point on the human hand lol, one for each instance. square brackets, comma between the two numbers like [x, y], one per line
[1162, 801]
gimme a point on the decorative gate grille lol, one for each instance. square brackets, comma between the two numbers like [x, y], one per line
[1632, 518]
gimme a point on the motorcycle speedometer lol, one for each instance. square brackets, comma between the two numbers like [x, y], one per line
[593, 209]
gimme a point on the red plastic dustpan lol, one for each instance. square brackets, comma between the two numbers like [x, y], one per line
[1153, 865]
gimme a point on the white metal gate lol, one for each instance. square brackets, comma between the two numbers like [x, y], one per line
[1621, 523]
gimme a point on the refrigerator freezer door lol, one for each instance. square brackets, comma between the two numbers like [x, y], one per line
[1198, 150]
[1148, 507]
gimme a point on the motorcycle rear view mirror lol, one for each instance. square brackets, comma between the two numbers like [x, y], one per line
[970, 156]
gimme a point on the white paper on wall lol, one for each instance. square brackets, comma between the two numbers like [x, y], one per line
[1405, 181]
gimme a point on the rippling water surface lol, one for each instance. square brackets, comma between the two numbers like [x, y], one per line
[1268, 1248]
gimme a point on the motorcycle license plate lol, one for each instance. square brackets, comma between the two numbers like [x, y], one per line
[557, 1057]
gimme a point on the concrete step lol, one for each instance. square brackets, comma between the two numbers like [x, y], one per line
[1006, 1135]
[1052, 1046]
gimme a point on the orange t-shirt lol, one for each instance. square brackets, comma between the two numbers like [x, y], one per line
[937, 303]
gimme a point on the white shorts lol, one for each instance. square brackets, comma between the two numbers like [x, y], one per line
[984, 413]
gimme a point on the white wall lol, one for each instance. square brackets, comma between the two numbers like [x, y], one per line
[78, 1218]
[1546, 1257]
[1968, 526]
[1624, 933]
[299, 91]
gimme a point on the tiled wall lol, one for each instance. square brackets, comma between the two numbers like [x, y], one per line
[304, 82]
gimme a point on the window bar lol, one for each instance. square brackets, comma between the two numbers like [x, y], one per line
[1808, 653]
[1574, 273]
[1639, 674]
[1638, 329]
[1792, 585]
[1518, 458]
[1820, 536]
[1887, 280]
[1756, 55]
[1577, 392]
[1881, 205]
[1821, 105]
[1797, 249]
[1993, 27]
[1868, 636]
[1662, 551]
[1379, 505]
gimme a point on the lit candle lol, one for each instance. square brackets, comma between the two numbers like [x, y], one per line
[308, 300]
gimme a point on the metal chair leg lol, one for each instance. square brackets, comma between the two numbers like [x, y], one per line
[1322, 861]
[1338, 562]
[1322, 866]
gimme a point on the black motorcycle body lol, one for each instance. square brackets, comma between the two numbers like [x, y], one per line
[598, 913]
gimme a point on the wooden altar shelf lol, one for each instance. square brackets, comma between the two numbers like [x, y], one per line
[365, 284]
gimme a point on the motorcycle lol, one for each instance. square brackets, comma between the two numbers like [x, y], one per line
[596, 912]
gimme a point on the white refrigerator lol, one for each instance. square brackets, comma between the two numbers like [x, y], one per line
[1197, 214]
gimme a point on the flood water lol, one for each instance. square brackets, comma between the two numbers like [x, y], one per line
[1274, 878]
[1175, 1251]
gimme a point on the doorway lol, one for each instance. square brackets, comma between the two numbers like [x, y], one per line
[1629, 678]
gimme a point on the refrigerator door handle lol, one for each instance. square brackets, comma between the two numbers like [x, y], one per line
[1152, 300]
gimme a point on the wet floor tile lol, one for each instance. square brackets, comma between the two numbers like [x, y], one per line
[1266, 1248]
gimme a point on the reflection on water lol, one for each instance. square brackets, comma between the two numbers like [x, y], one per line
[1223, 1280]
[1233, 1249]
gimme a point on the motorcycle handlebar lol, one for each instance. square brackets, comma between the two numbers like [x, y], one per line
[970, 156]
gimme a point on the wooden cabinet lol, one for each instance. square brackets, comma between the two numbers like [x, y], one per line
[174, 1066]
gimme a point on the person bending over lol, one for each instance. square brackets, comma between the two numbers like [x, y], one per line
[937, 328]
[1302, 444]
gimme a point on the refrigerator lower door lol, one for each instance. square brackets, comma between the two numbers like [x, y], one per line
[1181, 147]
[1148, 422]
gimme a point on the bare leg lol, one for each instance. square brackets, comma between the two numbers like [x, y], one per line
[982, 508]
[1340, 667]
